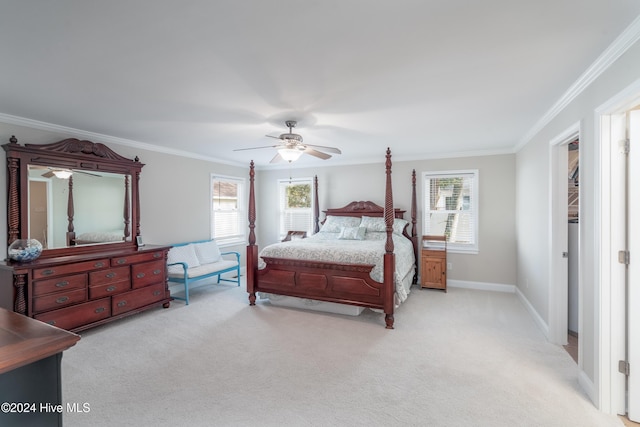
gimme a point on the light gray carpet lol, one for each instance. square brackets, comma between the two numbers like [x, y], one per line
[465, 358]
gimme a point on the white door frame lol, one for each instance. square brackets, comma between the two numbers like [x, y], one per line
[609, 274]
[559, 238]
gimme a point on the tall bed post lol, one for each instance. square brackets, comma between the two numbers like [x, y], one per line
[71, 235]
[414, 231]
[252, 249]
[316, 208]
[389, 257]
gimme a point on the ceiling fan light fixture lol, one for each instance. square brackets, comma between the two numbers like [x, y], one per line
[62, 173]
[290, 154]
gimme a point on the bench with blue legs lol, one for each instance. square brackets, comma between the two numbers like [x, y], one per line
[192, 261]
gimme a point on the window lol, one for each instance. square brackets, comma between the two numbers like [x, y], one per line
[296, 206]
[228, 224]
[451, 208]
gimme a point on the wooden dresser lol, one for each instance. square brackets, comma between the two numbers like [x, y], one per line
[91, 269]
[433, 263]
[81, 291]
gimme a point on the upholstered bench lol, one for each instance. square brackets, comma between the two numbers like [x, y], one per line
[192, 261]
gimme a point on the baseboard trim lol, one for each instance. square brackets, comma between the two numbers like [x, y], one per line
[588, 386]
[534, 314]
[481, 286]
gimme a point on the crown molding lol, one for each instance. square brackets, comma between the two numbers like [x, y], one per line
[93, 136]
[615, 50]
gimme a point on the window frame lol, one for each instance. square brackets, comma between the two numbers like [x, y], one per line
[282, 183]
[467, 248]
[235, 239]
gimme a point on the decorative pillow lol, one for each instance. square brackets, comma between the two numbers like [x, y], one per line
[207, 252]
[373, 223]
[334, 224]
[185, 253]
[399, 225]
[352, 233]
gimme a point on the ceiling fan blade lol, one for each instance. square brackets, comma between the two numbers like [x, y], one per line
[317, 153]
[323, 148]
[48, 174]
[270, 136]
[255, 148]
[86, 173]
[277, 158]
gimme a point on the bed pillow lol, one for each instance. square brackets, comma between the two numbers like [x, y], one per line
[373, 223]
[334, 224]
[352, 233]
[185, 253]
[399, 225]
[207, 252]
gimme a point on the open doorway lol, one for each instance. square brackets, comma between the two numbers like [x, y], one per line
[559, 214]
[573, 232]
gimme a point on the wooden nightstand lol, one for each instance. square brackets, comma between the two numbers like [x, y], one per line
[433, 263]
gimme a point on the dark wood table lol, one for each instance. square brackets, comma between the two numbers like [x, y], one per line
[30, 377]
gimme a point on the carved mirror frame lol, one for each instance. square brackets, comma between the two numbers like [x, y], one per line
[72, 154]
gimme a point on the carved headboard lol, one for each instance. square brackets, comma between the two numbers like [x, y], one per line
[360, 209]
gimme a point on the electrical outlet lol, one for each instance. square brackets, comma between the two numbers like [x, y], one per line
[449, 266]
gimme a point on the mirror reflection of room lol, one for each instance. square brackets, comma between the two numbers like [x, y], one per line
[98, 201]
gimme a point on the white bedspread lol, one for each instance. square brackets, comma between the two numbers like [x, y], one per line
[326, 246]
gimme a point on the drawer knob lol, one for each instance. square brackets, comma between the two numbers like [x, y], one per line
[122, 303]
[99, 310]
[62, 284]
[157, 255]
[52, 322]
[140, 275]
[62, 300]
[156, 272]
[110, 275]
[121, 261]
[48, 272]
[99, 264]
[111, 288]
[156, 293]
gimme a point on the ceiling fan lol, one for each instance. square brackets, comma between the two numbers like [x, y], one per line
[291, 147]
[63, 173]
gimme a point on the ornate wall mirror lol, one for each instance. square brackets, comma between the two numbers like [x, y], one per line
[72, 196]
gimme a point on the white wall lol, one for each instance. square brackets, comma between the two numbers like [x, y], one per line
[532, 203]
[339, 185]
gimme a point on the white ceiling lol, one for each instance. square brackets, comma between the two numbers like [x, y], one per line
[427, 78]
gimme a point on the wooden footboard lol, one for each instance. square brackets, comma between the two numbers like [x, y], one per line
[329, 281]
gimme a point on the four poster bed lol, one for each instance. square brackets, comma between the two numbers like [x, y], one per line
[363, 256]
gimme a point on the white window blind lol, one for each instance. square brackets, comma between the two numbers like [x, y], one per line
[296, 206]
[451, 208]
[227, 210]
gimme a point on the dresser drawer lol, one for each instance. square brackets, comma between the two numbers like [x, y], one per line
[147, 273]
[136, 258]
[78, 315]
[138, 298]
[110, 275]
[109, 289]
[59, 299]
[78, 267]
[65, 283]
